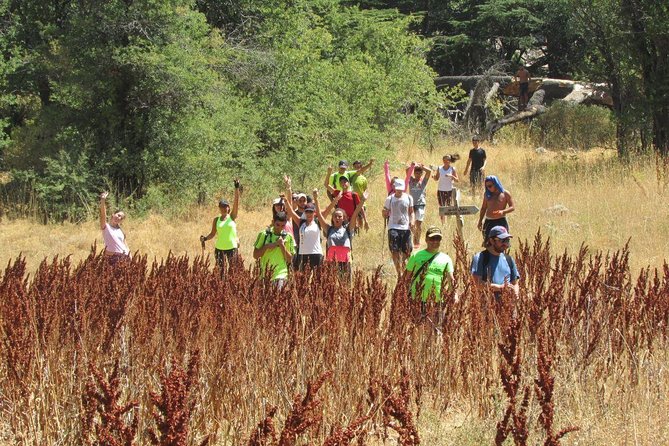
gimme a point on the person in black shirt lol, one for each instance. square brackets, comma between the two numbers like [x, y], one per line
[477, 162]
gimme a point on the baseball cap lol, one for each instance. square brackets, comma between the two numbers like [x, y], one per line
[399, 184]
[433, 231]
[300, 195]
[277, 201]
[223, 202]
[309, 207]
[499, 232]
[343, 163]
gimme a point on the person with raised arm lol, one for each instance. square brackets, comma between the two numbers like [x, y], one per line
[114, 238]
[446, 177]
[417, 184]
[309, 248]
[390, 188]
[398, 209]
[339, 232]
[224, 228]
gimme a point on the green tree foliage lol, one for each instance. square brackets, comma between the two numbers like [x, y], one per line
[168, 98]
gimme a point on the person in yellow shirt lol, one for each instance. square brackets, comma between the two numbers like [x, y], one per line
[224, 228]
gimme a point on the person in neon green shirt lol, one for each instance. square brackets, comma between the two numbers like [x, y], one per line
[428, 267]
[332, 179]
[275, 248]
[224, 228]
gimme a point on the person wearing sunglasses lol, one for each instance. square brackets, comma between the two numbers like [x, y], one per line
[494, 266]
[497, 202]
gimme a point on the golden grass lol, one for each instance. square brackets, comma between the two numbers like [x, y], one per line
[565, 195]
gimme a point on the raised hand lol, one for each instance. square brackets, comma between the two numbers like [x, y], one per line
[314, 193]
[104, 195]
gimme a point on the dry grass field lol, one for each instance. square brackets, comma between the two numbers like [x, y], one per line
[573, 198]
[592, 331]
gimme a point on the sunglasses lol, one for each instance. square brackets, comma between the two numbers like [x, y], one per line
[504, 241]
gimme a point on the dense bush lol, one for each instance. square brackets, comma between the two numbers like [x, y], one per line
[153, 97]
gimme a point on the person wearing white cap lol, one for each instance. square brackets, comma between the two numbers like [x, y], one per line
[398, 209]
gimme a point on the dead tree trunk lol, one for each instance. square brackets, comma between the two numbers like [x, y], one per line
[542, 93]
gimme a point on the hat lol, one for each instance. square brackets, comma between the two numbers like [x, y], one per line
[277, 201]
[343, 163]
[309, 207]
[223, 202]
[300, 195]
[344, 178]
[499, 232]
[432, 231]
[399, 184]
[476, 137]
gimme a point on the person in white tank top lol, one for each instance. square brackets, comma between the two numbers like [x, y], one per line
[446, 176]
[112, 234]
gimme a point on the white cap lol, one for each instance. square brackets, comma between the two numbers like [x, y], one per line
[398, 184]
[277, 201]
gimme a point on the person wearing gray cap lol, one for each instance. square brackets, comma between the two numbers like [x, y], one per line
[494, 266]
[224, 228]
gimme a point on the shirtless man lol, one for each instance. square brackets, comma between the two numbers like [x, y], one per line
[497, 202]
[523, 78]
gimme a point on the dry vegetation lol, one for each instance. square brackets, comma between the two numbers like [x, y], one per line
[166, 352]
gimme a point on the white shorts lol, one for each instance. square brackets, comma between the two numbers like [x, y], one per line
[419, 212]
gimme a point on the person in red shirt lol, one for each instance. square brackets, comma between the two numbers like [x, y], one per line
[349, 200]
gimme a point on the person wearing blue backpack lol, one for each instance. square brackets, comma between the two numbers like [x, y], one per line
[494, 266]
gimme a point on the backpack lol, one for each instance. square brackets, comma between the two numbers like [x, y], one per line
[484, 258]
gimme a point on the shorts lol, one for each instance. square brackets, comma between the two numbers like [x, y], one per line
[313, 260]
[223, 255]
[445, 197]
[419, 212]
[399, 240]
[475, 177]
[488, 224]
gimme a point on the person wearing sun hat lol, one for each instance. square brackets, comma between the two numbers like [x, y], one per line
[428, 267]
[493, 266]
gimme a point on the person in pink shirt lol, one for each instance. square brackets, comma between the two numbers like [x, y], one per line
[112, 234]
[390, 180]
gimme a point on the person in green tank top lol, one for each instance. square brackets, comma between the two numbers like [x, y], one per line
[224, 228]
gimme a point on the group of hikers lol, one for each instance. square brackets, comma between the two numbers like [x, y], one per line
[300, 225]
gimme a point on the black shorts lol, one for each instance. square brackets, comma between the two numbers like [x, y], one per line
[313, 260]
[221, 255]
[399, 240]
[445, 197]
[475, 177]
[489, 224]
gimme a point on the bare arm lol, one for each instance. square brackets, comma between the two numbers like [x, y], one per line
[386, 174]
[353, 222]
[326, 182]
[436, 175]
[289, 208]
[331, 206]
[366, 167]
[469, 163]
[510, 206]
[319, 214]
[212, 233]
[103, 210]
[484, 207]
[455, 176]
[409, 173]
[428, 173]
[258, 252]
[235, 203]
